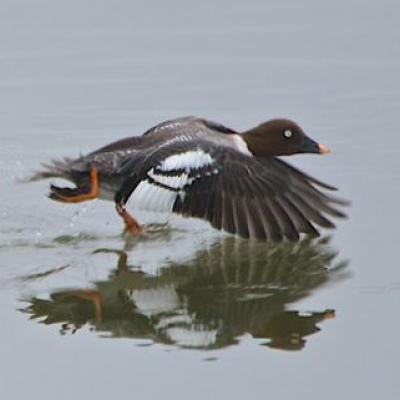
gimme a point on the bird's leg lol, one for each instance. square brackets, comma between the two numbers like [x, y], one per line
[79, 194]
[131, 225]
[93, 296]
[122, 265]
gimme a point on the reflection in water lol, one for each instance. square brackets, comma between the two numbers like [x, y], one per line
[231, 288]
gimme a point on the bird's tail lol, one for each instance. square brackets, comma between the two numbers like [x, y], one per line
[53, 169]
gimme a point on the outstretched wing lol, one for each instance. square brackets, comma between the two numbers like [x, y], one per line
[252, 197]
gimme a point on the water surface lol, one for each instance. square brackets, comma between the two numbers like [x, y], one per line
[187, 311]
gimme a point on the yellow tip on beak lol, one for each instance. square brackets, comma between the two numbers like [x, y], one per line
[323, 149]
[329, 315]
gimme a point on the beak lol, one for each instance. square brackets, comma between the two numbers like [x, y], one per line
[329, 314]
[323, 149]
[311, 146]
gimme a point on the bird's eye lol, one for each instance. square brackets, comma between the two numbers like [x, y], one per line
[288, 134]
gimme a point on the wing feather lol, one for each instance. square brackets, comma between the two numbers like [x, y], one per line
[251, 197]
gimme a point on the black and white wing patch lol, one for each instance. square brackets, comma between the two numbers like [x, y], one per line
[167, 182]
[258, 198]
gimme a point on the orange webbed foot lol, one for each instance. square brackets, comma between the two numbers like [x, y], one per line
[131, 224]
[79, 194]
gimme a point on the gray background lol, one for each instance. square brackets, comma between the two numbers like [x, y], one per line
[75, 75]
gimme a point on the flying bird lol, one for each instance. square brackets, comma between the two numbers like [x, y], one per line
[199, 168]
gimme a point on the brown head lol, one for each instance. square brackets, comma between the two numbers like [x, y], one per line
[280, 137]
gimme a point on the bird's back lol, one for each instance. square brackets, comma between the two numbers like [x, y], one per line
[181, 130]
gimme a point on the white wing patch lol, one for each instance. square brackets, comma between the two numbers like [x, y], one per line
[168, 180]
[192, 159]
[174, 182]
[150, 197]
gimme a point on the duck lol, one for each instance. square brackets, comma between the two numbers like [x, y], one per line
[237, 181]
